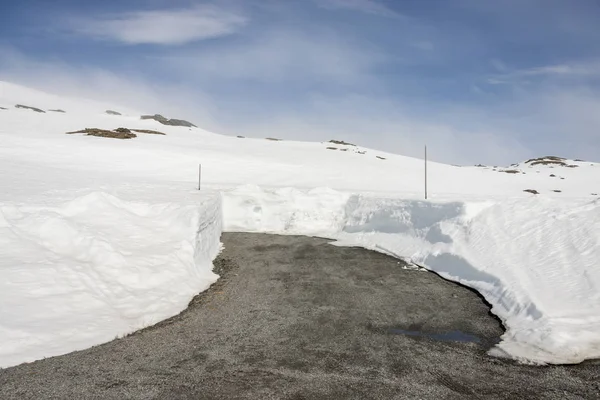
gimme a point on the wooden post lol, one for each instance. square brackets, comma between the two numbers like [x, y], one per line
[199, 175]
[425, 172]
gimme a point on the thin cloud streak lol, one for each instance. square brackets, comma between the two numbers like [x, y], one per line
[162, 27]
[364, 6]
[558, 71]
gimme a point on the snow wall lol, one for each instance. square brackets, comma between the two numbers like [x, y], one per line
[535, 260]
[98, 267]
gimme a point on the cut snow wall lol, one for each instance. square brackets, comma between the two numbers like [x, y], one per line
[98, 267]
[534, 260]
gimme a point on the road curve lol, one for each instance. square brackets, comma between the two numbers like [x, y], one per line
[297, 318]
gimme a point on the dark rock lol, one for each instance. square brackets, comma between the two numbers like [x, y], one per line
[341, 142]
[120, 133]
[557, 191]
[148, 131]
[58, 111]
[3, 108]
[171, 122]
[30, 108]
[240, 137]
[181, 122]
[111, 112]
[273, 139]
[331, 148]
[533, 191]
[381, 158]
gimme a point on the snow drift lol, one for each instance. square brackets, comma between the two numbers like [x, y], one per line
[97, 267]
[535, 260]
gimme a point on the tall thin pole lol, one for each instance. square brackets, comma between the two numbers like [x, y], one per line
[425, 172]
[199, 175]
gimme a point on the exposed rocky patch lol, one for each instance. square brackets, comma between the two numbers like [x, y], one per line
[511, 171]
[111, 112]
[148, 131]
[171, 122]
[58, 110]
[341, 142]
[331, 148]
[273, 139]
[3, 108]
[30, 108]
[119, 133]
[532, 191]
[557, 191]
[381, 158]
[241, 137]
[552, 161]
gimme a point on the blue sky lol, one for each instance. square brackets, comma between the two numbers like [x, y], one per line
[478, 81]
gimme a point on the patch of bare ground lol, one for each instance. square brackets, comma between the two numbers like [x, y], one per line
[532, 191]
[30, 108]
[119, 133]
[148, 131]
[341, 142]
[551, 161]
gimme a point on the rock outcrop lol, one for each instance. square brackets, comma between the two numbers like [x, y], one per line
[170, 122]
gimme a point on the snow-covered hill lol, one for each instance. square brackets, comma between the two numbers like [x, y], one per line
[100, 236]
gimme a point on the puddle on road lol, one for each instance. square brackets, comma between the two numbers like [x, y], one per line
[452, 336]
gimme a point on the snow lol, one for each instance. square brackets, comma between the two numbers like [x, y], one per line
[96, 267]
[100, 237]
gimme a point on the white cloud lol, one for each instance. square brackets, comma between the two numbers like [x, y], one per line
[163, 27]
[365, 6]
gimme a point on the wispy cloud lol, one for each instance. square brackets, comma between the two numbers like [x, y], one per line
[162, 27]
[365, 6]
[119, 90]
[573, 70]
[282, 55]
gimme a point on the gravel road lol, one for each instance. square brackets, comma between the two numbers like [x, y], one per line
[298, 318]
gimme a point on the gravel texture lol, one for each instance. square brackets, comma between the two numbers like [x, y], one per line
[297, 318]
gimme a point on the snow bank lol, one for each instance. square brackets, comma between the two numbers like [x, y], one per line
[98, 267]
[535, 260]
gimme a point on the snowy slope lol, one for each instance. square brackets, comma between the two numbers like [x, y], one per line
[534, 257]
